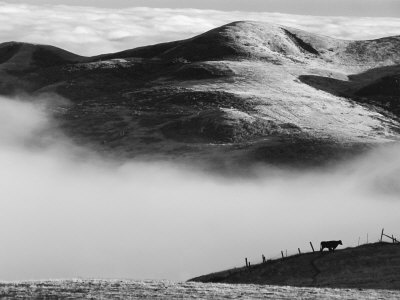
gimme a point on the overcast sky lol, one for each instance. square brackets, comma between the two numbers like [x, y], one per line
[382, 8]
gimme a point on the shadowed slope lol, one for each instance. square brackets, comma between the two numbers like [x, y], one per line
[20, 56]
[379, 87]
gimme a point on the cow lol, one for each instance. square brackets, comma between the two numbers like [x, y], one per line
[330, 245]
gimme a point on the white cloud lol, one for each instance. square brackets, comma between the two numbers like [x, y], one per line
[66, 212]
[91, 31]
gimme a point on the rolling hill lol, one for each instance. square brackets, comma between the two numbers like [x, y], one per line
[238, 95]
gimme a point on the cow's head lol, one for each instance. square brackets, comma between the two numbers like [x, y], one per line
[340, 242]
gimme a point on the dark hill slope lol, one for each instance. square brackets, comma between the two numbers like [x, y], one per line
[375, 266]
[21, 56]
[143, 52]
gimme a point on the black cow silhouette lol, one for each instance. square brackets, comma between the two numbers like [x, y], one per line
[330, 245]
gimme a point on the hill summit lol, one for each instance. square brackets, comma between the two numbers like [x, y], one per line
[257, 40]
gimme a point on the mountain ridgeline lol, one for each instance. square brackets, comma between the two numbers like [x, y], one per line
[241, 94]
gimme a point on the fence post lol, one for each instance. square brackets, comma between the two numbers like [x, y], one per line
[299, 250]
[246, 262]
[393, 239]
[282, 254]
[312, 247]
[382, 235]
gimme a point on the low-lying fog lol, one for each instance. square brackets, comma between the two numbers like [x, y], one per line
[67, 213]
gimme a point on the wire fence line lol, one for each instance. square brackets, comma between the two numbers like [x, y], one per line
[285, 253]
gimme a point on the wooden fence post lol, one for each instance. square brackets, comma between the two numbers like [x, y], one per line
[246, 262]
[394, 240]
[312, 247]
[299, 250]
[282, 254]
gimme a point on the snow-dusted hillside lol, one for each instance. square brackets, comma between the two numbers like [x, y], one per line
[243, 92]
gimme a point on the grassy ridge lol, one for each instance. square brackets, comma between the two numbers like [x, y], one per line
[374, 266]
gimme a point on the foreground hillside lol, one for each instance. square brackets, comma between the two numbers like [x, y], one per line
[375, 266]
[246, 92]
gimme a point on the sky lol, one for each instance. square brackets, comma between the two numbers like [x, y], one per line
[370, 8]
[66, 212]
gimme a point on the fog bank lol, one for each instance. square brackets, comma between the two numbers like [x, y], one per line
[67, 212]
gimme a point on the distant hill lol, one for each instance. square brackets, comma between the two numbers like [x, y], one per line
[15, 56]
[374, 266]
[240, 94]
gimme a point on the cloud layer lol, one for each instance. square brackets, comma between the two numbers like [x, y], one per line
[66, 212]
[91, 31]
